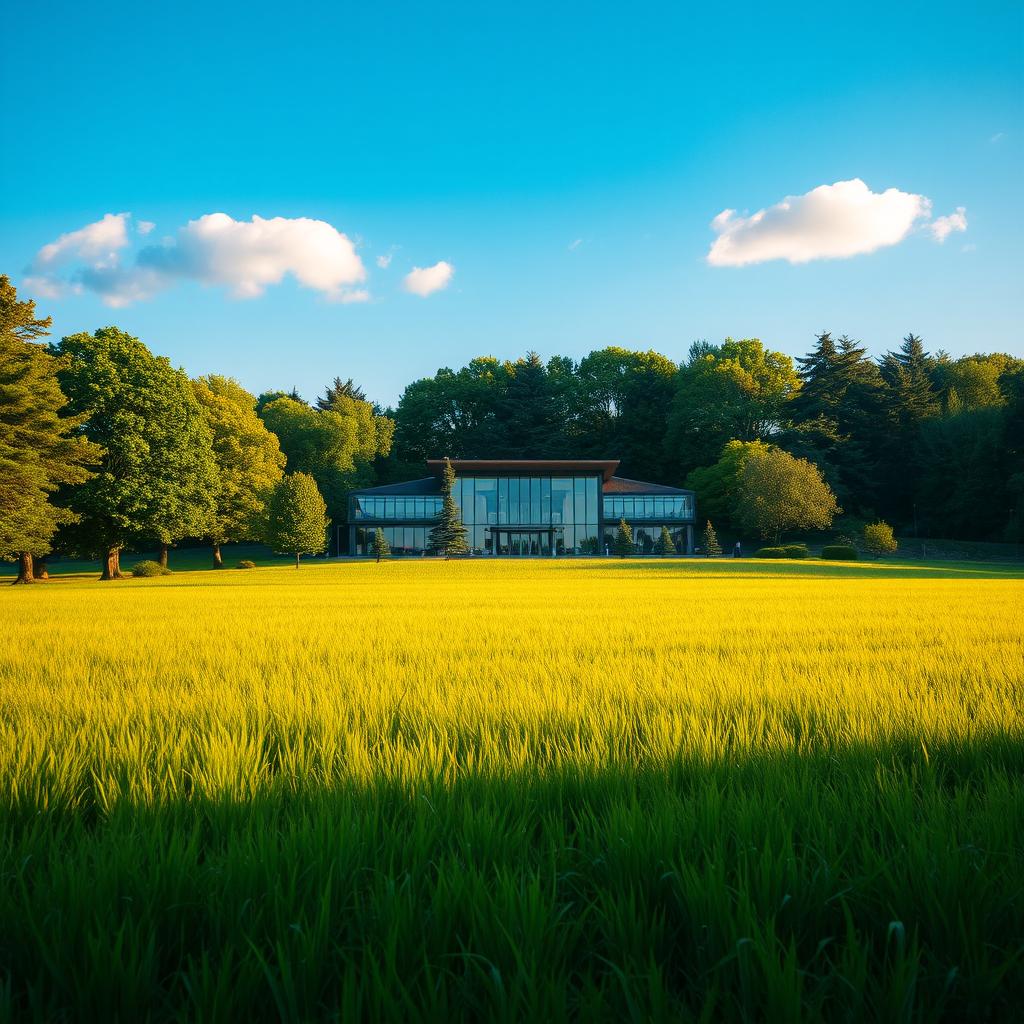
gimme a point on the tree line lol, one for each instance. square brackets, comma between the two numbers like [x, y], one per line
[105, 445]
[932, 444]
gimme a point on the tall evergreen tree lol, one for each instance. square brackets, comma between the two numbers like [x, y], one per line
[448, 536]
[40, 449]
[340, 389]
[297, 517]
[157, 477]
[911, 399]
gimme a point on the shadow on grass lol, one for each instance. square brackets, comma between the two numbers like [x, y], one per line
[753, 568]
[877, 882]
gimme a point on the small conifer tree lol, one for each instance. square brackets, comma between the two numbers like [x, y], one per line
[380, 546]
[712, 549]
[664, 545]
[624, 540]
[449, 535]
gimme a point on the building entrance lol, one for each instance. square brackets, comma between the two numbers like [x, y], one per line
[523, 543]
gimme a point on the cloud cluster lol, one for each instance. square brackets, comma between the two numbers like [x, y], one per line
[424, 281]
[942, 227]
[242, 256]
[829, 222]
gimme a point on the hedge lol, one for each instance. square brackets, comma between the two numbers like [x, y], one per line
[839, 553]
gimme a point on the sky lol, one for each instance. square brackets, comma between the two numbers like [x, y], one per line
[289, 194]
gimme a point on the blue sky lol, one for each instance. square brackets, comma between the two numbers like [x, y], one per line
[566, 161]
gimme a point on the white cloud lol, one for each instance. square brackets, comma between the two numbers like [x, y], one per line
[998, 137]
[424, 281]
[95, 242]
[144, 226]
[829, 222]
[242, 256]
[942, 227]
[575, 244]
[384, 261]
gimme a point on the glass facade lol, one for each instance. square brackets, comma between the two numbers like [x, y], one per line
[555, 514]
[667, 507]
[644, 538]
[403, 540]
[395, 507]
[507, 514]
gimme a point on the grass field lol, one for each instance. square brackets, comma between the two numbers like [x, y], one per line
[540, 790]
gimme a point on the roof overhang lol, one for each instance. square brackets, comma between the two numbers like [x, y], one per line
[553, 467]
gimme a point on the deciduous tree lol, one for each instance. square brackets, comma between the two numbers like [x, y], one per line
[297, 519]
[778, 492]
[248, 458]
[156, 479]
[737, 390]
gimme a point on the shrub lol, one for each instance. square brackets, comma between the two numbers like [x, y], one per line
[840, 553]
[796, 551]
[770, 553]
[245, 563]
[148, 568]
[879, 538]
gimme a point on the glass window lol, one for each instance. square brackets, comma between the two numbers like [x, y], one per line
[591, 488]
[503, 500]
[513, 499]
[561, 500]
[545, 500]
[486, 500]
[535, 502]
[579, 486]
[524, 499]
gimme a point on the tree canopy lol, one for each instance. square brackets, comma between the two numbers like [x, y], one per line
[41, 446]
[157, 476]
[248, 459]
[778, 492]
[297, 517]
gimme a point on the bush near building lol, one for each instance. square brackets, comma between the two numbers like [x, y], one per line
[839, 553]
[879, 539]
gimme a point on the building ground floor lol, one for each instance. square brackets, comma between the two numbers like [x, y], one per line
[525, 541]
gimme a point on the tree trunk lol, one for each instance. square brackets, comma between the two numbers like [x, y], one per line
[163, 556]
[296, 559]
[39, 568]
[218, 561]
[112, 565]
[25, 574]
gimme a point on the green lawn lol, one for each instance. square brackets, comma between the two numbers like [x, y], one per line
[536, 790]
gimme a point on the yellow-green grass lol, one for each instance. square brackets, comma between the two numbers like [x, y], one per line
[515, 790]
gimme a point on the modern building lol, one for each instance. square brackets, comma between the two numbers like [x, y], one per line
[523, 507]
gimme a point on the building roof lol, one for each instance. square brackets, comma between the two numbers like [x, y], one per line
[623, 485]
[425, 485]
[606, 467]
[431, 485]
